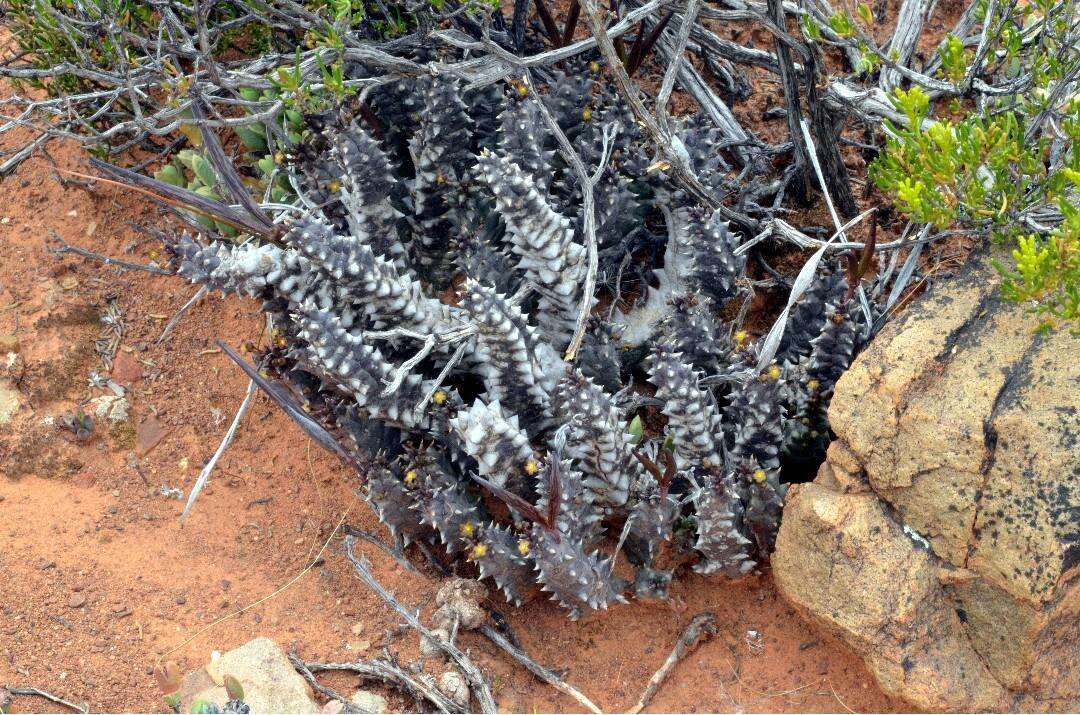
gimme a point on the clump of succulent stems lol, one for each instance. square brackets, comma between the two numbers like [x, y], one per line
[425, 294]
[513, 295]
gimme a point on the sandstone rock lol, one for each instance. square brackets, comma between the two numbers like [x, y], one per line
[126, 370]
[841, 560]
[368, 702]
[113, 408]
[9, 404]
[956, 428]
[148, 434]
[453, 685]
[270, 684]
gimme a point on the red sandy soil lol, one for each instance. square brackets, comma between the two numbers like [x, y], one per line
[99, 582]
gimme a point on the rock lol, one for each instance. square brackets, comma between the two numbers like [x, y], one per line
[9, 344]
[126, 370]
[452, 684]
[459, 599]
[77, 600]
[270, 684]
[9, 404]
[940, 538]
[112, 408]
[368, 702]
[148, 434]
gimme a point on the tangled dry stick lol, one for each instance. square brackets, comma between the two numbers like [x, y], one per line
[702, 626]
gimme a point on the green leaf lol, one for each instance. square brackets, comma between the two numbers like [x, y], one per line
[234, 688]
[204, 170]
[811, 29]
[841, 24]
[251, 139]
[170, 175]
[636, 430]
[865, 13]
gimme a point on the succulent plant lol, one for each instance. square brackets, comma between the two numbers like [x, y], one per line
[425, 298]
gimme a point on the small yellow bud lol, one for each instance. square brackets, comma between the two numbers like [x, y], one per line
[410, 477]
[740, 338]
[467, 529]
[522, 90]
[524, 547]
[759, 476]
[439, 397]
[334, 186]
[279, 158]
[531, 467]
[587, 114]
[594, 67]
[478, 551]
[774, 372]
[813, 385]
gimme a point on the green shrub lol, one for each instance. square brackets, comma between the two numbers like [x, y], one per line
[1009, 168]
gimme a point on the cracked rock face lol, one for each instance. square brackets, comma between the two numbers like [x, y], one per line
[941, 538]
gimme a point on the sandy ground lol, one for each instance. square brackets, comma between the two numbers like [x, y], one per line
[99, 582]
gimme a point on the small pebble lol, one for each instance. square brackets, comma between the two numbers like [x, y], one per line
[77, 601]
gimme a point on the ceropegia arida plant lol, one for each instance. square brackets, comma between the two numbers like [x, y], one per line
[424, 294]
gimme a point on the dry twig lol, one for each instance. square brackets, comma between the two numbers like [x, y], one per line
[538, 670]
[473, 675]
[38, 692]
[703, 625]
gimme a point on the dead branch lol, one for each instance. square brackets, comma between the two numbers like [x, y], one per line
[395, 553]
[701, 626]
[230, 434]
[387, 673]
[65, 247]
[799, 183]
[901, 46]
[538, 670]
[38, 692]
[175, 320]
[473, 675]
[318, 687]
